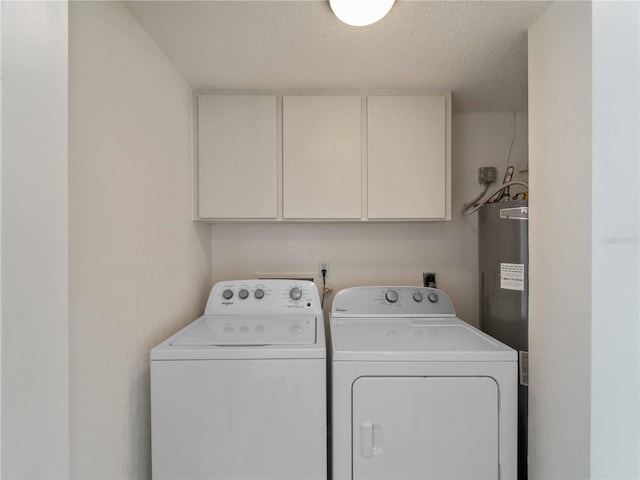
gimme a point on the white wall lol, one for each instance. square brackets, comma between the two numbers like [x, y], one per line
[385, 253]
[139, 267]
[0, 240]
[35, 378]
[560, 242]
[615, 329]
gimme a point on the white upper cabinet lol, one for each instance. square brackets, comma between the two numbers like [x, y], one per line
[407, 157]
[237, 157]
[322, 157]
[378, 156]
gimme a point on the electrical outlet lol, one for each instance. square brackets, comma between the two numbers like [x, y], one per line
[323, 265]
[429, 280]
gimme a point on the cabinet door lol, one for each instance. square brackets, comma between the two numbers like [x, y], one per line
[238, 156]
[407, 161]
[322, 158]
[427, 428]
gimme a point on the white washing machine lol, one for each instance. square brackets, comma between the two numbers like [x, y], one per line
[418, 393]
[240, 393]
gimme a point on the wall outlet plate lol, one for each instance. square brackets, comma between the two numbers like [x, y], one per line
[323, 265]
[429, 280]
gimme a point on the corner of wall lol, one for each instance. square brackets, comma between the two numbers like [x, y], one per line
[560, 241]
[140, 268]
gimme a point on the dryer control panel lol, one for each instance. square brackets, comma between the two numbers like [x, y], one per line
[272, 296]
[392, 301]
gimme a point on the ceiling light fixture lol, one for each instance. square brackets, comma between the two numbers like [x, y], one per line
[360, 12]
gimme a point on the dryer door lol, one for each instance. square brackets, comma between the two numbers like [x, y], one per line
[423, 428]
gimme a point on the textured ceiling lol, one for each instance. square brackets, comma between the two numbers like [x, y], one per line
[477, 49]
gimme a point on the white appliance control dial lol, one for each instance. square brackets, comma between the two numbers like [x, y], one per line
[391, 296]
[409, 301]
[263, 297]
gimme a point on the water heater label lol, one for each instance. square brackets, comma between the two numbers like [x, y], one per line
[512, 276]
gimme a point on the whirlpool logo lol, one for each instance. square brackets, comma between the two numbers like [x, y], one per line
[342, 309]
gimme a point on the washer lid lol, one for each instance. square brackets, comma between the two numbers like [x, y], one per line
[414, 339]
[246, 337]
[223, 330]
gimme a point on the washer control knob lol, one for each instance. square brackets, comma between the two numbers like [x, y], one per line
[433, 297]
[295, 293]
[259, 293]
[391, 296]
[418, 297]
[227, 294]
[244, 293]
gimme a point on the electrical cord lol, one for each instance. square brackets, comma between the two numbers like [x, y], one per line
[513, 139]
[472, 202]
[324, 286]
[502, 191]
[468, 210]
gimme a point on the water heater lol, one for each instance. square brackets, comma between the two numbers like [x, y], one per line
[504, 290]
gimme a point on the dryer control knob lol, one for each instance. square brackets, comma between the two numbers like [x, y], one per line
[418, 297]
[227, 294]
[259, 293]
[433, 297]
[295, 293]
[244, 293]
[391, 296]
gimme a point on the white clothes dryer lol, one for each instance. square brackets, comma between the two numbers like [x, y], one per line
[240, 393]
[418, 393]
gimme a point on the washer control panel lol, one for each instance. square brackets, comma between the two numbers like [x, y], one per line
[392, 301]
[272, 296]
